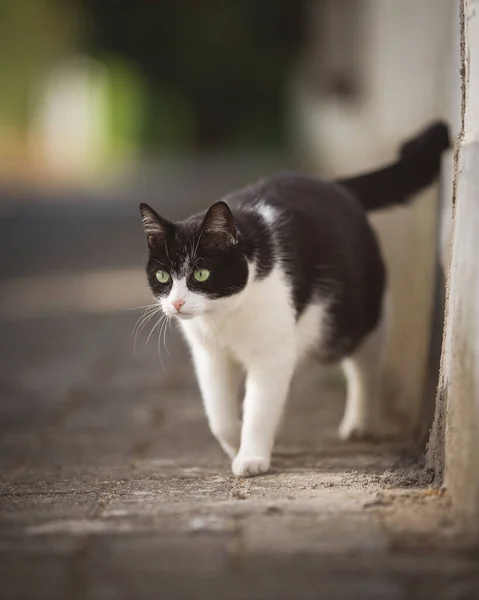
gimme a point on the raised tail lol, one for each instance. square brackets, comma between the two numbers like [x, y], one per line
[417, 167]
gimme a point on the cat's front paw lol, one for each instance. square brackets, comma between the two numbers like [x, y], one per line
[249, 466]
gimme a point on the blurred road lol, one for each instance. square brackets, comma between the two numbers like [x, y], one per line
[111, 484]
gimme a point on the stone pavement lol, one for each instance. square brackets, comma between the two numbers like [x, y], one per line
[113, 488]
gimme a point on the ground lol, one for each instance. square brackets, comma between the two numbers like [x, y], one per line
[113, 487]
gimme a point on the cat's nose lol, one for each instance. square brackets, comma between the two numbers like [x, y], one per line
[178, 304]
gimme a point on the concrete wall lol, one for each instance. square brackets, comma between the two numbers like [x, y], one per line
[459, 386]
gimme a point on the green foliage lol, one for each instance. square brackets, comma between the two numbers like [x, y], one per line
[32, 34]
[125, 106]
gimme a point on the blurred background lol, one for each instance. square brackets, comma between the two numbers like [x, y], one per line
[90, 86]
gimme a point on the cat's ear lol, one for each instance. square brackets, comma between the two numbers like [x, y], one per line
[219, 226]
[155, 226]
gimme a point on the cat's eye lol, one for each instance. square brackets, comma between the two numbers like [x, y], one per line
[163, 276]
[201, 275]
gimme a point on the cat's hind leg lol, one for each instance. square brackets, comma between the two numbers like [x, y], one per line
[363, 415]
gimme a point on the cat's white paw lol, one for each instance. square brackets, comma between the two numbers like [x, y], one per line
[363, 430]
[249, 466]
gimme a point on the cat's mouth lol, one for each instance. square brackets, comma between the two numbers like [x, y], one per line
[184, 316]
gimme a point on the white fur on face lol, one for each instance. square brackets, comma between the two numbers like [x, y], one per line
[195, 304]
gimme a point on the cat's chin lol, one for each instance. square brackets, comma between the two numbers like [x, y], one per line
[185, 316]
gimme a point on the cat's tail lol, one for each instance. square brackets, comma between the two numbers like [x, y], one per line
[417, 167]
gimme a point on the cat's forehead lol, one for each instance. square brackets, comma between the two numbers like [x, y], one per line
[181, 250]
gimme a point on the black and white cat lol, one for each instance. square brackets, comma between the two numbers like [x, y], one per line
[284, 268]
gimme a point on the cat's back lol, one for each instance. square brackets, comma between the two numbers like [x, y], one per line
[298, 194]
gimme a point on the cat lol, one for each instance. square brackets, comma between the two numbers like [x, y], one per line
[285, 268]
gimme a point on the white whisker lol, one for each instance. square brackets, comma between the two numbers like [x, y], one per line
[154, 327]
[148, 314]
[163, 325]
[168, 321]
[166, 250]
[143, 319]
[144, 306]
[197, 244]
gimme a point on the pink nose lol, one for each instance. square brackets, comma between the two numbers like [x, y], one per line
[178, 304]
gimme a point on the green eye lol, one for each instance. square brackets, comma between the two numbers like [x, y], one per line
[201, 275]
[163, 276]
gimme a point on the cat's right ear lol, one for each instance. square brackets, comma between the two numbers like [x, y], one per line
[155, 226]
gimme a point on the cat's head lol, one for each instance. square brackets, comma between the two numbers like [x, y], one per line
[197, 266]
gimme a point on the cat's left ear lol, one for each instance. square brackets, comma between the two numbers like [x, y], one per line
[155, 226]
[219, 226]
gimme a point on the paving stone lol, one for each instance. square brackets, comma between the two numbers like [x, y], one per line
[38, 567]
